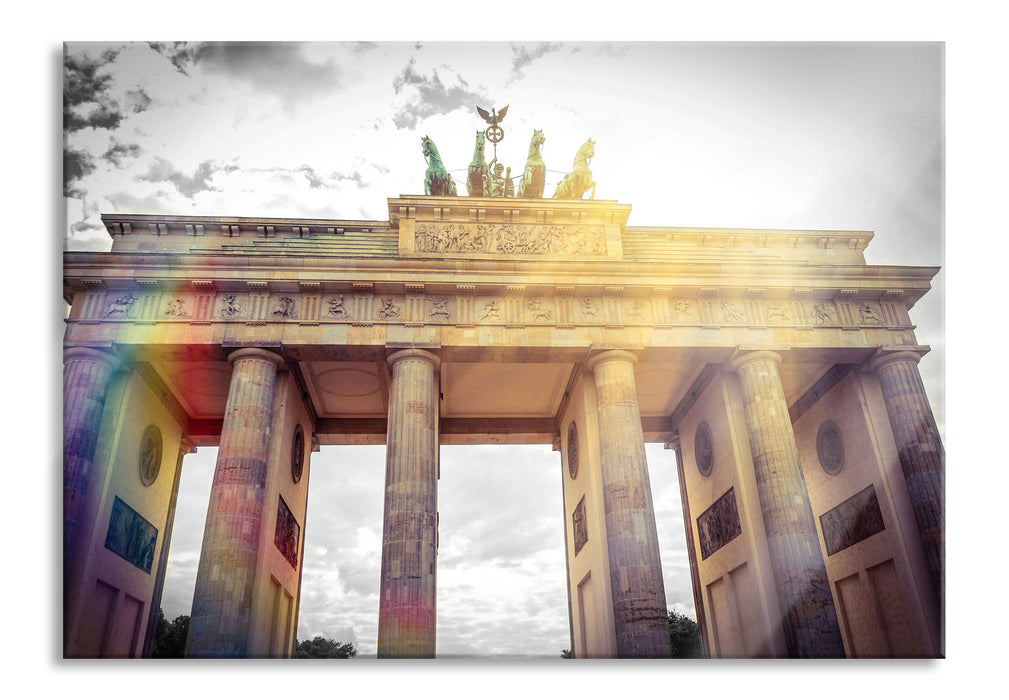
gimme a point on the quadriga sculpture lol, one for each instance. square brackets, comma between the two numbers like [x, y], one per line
[478, 177]
[532, 183]
[437, 181]
[579, 180]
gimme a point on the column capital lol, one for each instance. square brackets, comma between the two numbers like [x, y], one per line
[610, 356]
[260, 353]
[746, 357]
[80, 352]
[416, 353]
[887, 357]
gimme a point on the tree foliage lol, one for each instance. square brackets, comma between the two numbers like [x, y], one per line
[170, 637]
[323, 648]
[684, 636]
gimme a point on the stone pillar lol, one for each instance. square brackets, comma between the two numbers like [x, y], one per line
[922, 457]
[639, 597]
[222, 602]
[86, 376]
[809, 620]
[406, 618]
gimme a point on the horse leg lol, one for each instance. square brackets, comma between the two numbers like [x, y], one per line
[593, 195]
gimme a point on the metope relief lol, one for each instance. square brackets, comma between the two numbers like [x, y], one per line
[120, 307]
[718, 525]
[511, 239]
[176, 308]
[490, 310]
[389, 310]
[851, 522]
[682, 311]
[337, 309]
[438, 310]
[230, 307]
[589, 308]
[284, 307]
[730, 313]
[868, 314]
[539, 312]
[776, 312]
[823, 313]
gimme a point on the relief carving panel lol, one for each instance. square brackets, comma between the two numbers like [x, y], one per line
[856, 519]
[718, 525]
[510, 239]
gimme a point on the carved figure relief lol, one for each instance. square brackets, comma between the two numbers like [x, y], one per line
[718, 525]
[683, 311]
[389, 309]
[510, 239]
[856, 519]
[730, 312]
[490, 311]
[589, 308]
[121, 306]
[230, 308]
[868, 314]
[637, 312]
[287, 533]
[830, 447]
[823, 313]
[150, 455]
[580, 526]
[131, 536]
[777, 312]
[439, 307]
[336, 307]
[285, 308]
[539, 313]
[704, 450]
[176, 307]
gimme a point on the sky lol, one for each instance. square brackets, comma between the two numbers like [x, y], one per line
[809, 136]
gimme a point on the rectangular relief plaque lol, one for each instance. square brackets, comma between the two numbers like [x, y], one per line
[131, 536]
[719, 524]
[510, 239]
[851, 522]
[288, 533]
[580, 526]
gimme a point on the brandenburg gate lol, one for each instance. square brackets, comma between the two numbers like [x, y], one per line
[780, 367]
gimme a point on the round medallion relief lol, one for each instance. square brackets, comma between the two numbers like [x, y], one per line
[573, 450]
[297, 454]
[150, 455]
[830, 447]
[704, 452]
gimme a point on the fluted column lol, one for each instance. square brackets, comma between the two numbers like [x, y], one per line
[639, 597]
[809, 619]
[222, 602]
[86, 376]
[922, 457]
[406, 618]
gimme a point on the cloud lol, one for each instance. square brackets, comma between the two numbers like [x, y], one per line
[188, 185]
[77, 164]
[118, 151]
[278, 68]
[522, 57]
[86, 99]
[182, 54]
[433, 97]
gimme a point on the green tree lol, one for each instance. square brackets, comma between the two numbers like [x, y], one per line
[684, 636]
[323, 648]
[170, 637]
[567, 654]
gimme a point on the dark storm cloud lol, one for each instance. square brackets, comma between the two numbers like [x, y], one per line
[200, 181]
[522, 57]
[118, 151]
[86, 100]
[278, 68]
[433, 96]
[182, 54]
[76, 165]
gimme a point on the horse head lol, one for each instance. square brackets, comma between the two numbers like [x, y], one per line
[428, 147]
[588, 149]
